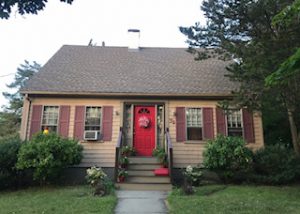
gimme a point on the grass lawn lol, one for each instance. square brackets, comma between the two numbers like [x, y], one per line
[44, 200]
[237, 199]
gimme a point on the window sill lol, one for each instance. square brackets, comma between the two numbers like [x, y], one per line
[195, 142]
[92, 141]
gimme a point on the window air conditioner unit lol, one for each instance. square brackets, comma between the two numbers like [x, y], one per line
[91, 135]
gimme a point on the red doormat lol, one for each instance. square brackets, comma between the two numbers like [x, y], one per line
[161, 172]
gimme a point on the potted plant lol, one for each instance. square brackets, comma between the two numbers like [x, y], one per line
[122, 175]
[124, 161]
[161, 156]
[128, 151]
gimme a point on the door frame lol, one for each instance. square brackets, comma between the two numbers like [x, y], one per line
[144, 103]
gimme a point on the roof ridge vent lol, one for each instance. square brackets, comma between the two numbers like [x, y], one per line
[133, 39]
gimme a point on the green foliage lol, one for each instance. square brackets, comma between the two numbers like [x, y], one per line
[127, 151]
[56, 200]
[122, 173]
[258, 37]
[272, 116]
[124, 161]
[24, 7]
[97, 178]
[9, 148]
[10, 117]
[287, 70]
[192, 174]
[227, 156]
[288, 16]
[276, 165]
[161, 155]
[237, 199]
[48, 155]
[95, 175]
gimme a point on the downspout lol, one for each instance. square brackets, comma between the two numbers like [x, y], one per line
[28, 114]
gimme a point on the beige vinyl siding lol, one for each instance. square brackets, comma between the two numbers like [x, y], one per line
[95, 153]
[190, 152]
[103, 153]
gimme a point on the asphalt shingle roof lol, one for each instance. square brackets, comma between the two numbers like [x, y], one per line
[86, 69]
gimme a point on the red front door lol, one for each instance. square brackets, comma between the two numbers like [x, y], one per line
[144, 130]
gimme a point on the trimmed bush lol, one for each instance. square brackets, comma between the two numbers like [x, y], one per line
[228, 157]
[276, 165]
[47, 155]
[9, 148]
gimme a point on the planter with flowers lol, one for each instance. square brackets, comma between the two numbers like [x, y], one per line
[122, 175]
[124, 161]
[192, 175]
[128, 151]
[98, 180]
[161, 156]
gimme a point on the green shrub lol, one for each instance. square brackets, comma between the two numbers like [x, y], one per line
[47, 155]
[228, 157]
[275, 165]
[9, 148]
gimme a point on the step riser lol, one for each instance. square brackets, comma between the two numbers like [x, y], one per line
[143, 167]
[141, 173]
[137, 160]
[148, 180]
[153, 187]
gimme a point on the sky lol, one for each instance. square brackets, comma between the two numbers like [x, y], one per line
[38, 37]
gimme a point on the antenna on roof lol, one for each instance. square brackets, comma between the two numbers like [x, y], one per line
[91, 43]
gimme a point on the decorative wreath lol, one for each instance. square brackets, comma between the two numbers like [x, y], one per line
[144, 122]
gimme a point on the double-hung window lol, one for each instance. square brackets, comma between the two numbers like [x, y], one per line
[234, 123]
[92, 118]
[50, 118]
[194, 123]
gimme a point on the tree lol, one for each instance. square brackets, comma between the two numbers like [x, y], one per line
[10, 117]
[24, 6]
[244, 30]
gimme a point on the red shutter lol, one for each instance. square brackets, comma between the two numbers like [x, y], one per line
[79, 122]
[107, 121]
[36, 117]
[180, 124]
[208, 123]
[248, 126]
[221, 121]
[64, 121]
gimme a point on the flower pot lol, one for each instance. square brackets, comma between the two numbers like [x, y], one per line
[121, 179]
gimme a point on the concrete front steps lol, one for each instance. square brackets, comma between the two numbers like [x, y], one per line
[141, 176]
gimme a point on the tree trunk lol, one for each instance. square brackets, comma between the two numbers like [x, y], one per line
[294, 132]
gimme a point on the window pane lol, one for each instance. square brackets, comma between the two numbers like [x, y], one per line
[50, 128]
[93, 118]
[194, 133]
[194, 123]
[234, 123]
[237, 132]
[50, 118]
[194, 117]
